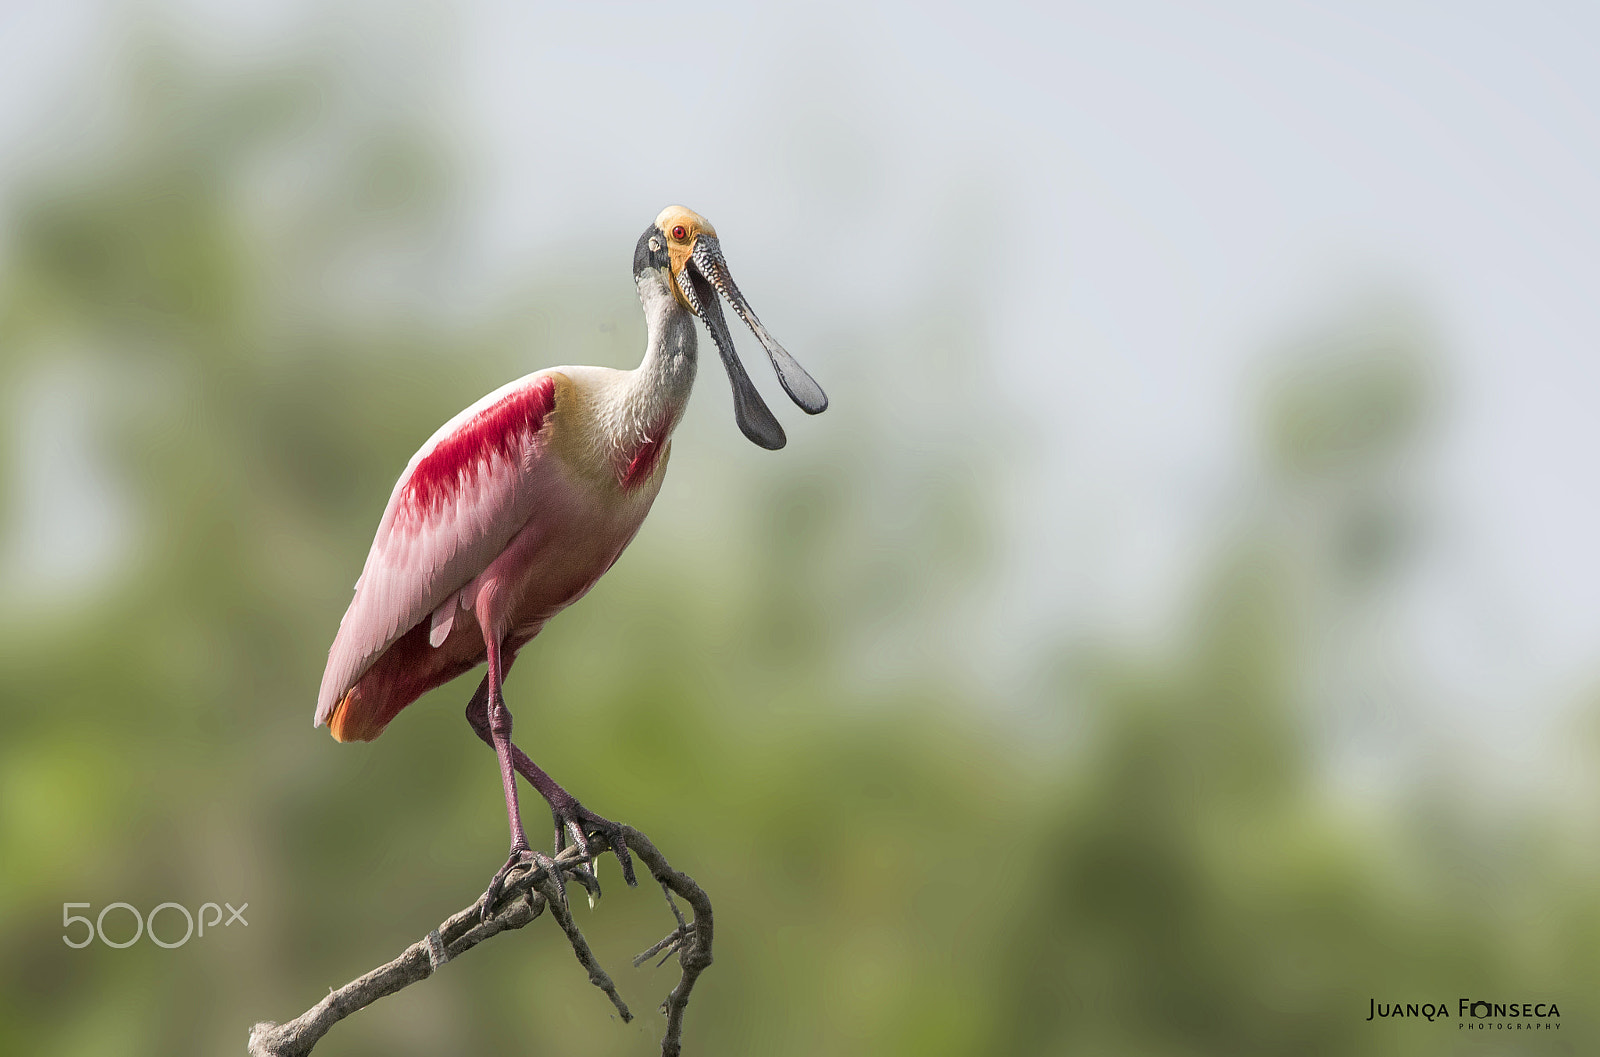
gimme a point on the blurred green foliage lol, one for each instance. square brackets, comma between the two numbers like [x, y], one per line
[226, 283]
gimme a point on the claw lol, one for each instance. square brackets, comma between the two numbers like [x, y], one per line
[589, 881]
[575, 831]
[619, 847]
[519, 857]
[584, 826]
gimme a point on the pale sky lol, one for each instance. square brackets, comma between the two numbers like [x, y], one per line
[1157, 194]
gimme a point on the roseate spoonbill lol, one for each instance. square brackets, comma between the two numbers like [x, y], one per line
[516, 506]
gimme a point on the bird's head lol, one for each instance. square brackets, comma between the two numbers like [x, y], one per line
[681, 247]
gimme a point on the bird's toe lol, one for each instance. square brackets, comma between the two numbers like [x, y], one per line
[519, 857]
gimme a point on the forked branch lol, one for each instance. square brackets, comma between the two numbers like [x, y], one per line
[526, 895]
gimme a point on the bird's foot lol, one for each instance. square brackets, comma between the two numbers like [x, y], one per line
[577, 825]
[523, 856]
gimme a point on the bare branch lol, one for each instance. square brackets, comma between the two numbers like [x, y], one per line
[526, 895]
[580, 947]
[695, 957]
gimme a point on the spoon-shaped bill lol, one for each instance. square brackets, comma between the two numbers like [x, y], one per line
[801, 387]
[755, 418]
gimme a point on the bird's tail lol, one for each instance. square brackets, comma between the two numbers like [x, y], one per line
[350, 722]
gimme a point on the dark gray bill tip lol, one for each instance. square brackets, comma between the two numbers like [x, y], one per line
[758, 424]
[801, 387]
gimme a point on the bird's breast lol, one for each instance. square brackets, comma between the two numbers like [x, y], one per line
[574, 533]
[611, 429]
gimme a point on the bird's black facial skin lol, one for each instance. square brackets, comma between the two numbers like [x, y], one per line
[645, 257]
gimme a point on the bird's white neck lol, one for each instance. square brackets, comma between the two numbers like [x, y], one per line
[659, 386]
[635, 416]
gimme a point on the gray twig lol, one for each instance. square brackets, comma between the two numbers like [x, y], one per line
[464, 930]
[694, 957]
[580, 947]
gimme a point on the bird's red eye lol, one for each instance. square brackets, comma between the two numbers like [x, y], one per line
[678, 231]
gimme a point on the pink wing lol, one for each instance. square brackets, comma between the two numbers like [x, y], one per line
[461, 499]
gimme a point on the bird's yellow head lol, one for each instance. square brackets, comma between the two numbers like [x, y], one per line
[679, 229]
[683, 245]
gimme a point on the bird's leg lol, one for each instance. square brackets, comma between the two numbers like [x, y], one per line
[572, 820]
[498, 733]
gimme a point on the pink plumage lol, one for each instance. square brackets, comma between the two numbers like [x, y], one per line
[519, 504]
[492, 503]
